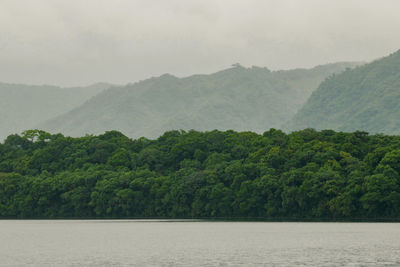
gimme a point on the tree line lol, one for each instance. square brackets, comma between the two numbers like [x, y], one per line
[308, 174]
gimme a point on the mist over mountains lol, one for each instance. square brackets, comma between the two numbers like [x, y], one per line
[364, 98]
[238, 98]
[23, 107]
[339, 96]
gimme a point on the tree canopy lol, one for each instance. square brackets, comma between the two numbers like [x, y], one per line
[308, 174]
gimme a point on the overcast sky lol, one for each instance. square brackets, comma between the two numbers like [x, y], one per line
[78, 42]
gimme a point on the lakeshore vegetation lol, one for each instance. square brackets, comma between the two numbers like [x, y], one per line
[306, 174]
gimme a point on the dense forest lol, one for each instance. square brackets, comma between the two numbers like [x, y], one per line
[307, 174]
[236, 98]
[363, 98]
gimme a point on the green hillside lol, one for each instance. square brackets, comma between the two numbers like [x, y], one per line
[238, 98]
[364, 98]
[25, 106]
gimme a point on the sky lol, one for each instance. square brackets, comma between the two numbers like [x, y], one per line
[79, 42]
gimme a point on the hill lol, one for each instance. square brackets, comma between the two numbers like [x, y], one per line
[237, 98]
[364, 98]
[25, 106]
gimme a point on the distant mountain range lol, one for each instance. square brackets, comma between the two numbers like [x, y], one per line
[24, 107]
[364, 98]
[238, 98]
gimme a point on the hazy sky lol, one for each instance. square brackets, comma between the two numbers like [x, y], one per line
[77, 42]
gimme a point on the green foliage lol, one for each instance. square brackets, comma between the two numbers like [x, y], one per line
[303, 175]
[364, 98]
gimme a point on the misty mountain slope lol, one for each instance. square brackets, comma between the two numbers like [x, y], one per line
[364, 98]
[25, 106]
[237, 98]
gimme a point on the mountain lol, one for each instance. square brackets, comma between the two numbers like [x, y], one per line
[364, 98]
[25, 106]
[239, 98]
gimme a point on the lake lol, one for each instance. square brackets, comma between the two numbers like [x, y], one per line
[196, 243]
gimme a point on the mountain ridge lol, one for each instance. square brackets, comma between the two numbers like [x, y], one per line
[24, 106]
[237, 98]
[364, 98]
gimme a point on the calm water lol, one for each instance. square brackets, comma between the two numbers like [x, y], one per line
[151, 243]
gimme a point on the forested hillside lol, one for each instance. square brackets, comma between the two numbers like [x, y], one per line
[23, 107]
[238, 98]
[304, 175]
[364, 98]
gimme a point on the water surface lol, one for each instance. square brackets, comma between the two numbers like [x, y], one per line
[194, 243]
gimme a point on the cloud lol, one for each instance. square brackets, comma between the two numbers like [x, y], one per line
[73, 42]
